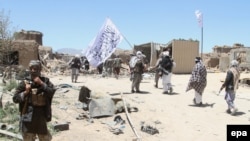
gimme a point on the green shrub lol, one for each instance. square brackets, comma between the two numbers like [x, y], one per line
[11, 85]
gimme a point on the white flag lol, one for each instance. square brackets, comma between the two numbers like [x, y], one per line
[104, 44]
[199, 17]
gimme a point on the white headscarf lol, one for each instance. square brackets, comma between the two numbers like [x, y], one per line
[77, 56]
[138, 53]
[165, 53]
[234, 63]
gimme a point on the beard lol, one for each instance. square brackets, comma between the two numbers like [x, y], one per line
[35, 74]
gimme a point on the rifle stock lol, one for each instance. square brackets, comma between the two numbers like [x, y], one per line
[26, 100]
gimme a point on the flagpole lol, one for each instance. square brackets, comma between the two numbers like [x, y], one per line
[127, 41]
[201, 42]
[199, 17]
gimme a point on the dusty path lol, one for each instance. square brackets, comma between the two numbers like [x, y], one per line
[173, 115]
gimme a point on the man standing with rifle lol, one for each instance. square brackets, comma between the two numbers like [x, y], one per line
[34, 95]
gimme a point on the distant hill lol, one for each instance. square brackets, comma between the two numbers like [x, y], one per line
[72, 51]
[69, 51]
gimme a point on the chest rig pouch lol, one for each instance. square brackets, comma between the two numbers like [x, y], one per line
[38, 98]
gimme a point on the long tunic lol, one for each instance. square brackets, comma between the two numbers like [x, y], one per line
[198, 79]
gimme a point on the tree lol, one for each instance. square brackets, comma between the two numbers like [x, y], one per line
[6, 38]
[6, 42]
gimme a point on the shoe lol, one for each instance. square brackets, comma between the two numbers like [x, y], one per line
[200, 104]
[228, 111]
[132, 91]
[138, 91]
[233, 111]
[194, 101]
[166, 92]
[170, 90]
[156, 85]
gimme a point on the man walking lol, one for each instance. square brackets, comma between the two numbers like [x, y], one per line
[117, 64]
[166, 67]
[136, 71]
[231, 85]
[158, 72]
[75, 65]
[198, 81]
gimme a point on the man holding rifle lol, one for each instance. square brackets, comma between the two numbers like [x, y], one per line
[34, 95]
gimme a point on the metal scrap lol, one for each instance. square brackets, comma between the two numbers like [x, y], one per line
[117, 126]
[149, 129]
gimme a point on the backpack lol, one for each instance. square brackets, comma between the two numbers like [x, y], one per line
[139, 66]
[133, 61]
[75, 63]
[86, 62]
[167, 63]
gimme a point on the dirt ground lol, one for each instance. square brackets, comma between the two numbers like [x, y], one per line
[174, 116]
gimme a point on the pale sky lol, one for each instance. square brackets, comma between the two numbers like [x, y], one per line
[74, 23]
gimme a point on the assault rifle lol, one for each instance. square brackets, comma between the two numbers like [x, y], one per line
[26, 81]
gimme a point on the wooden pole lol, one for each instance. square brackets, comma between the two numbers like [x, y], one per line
[138, 138]
[11, 134]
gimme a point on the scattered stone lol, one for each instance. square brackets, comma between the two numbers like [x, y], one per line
[61, 127]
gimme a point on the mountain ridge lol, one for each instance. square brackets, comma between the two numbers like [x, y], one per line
[72, 51]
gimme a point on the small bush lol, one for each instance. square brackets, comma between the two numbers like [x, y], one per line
[11, 85]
